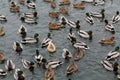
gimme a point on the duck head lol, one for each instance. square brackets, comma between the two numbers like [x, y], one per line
[36, 35]
[49, 35]
[102, 10]
[106, 21]
[117, 12]
[87, 14]
[63, 19]
[37, 52]
[17, 44]
[28, 1]
[78, 22]
[44, 60]
[20, 73]
[117, 48]
[70, 30]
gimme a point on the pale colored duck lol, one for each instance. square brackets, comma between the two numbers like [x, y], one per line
[23, 31]
[49, 74]
[2, 31]
[72, 67]
[53, 63]
[108, 41]
[28, 65]
[3, 18]
[53, 4]
[85, 34]
[53, 26]
[66, 54]
[116, 17]
[89, 18]
[2, 72]
[109, 27]
[107, 65]
[112, 55]
[99, 2]
[54, 14]
[19, 74]
[31, 40]
[18, 47]
[89, 1]
[64, 2]
[10, 66]
[21, 1]
[46, 41]
[51, 47]
[79, 54]
[2, 57]
[63, 10]
[31, 4]
[79, 5]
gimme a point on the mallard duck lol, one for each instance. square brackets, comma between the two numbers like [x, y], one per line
[51, 47]
[31, 4]
[63, 10]
[38, 57]
[79, 5]
[19, 74]
[15, 9]
[10, 66]
[109, 27]
[116, 17]
[71, 35]
[99, 2]
[12, 4]
[53, 14]
[88, 1]
[18, 47]
[71, 68]
[63, 21]
[66, 54]
[2, 31]
[71, 23]
[23, 31]
[48, 0]
[3, 18]
[53, 4]
[89, 18]
[54, 26]
[31, 15]
[49, 74]
[110, 40]
[2, 57]
[31, 40]
[2, 72]
[64, 2]
[113, 54]
[79, 54]
[28, 65]
[107, 65]
[21, 1]
[53, 63]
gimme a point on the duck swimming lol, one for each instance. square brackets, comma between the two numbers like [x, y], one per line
[3, 18]
[31, 4]
[2, 31]
[2, 72]
[19, 74]
[23, 31]
[2, 57]
[71, 35]
[51, 47]
[89, 19]
[107, 65]
[66, 54]
[116, 17]
[99, 2]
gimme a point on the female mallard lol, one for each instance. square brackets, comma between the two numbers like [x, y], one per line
[19, 75]
[54, 26]
[88, 1]
[53, 63]
[49, 74]
[53, 4]
[10, 66]
[64, 2]
[51, 47]
[3, 18]
[28, 65]
[53, 14]
[63, 10]
[31, 4]
[71, 35]
[2, 57]
[31, 40]
[48, 0]
[89, 18]
[18, 47]
[22, 1]
[66, 54]
[99, 2]
[79, 5]
[116, 17]
[71, 68]
[108, 40]
[23, 31]
[38, 57]
[79, 54]
[2, 72]
[107, 65]
[2, 31]
[109, 27]
[113, 54]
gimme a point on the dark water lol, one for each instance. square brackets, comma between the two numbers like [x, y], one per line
[89, 66]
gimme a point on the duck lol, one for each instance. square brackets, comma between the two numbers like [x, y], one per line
[3, 18]
[107, 65]
[72, 67]
[10, 66]
[23, 31]
[2, 57]
[109, 27]
[71, 23]
[63, 21]
[15, 9]
[28, 65]
[85, 34]
[49, 74]
[71, 35]
[21, 1]
[19, 74]
[89, 1]
[51, 47]
[53, 14]
[2, 72]
[66, 54]
[108, 41]
[89, 19]
[64, 2]
[31, 14]
[31, 4]
[53, 4]
[38, 57]
[53, 26]
[99, 2]
[31, 40]
[18, 47]
[112, 55]
[63, 10]
[53, 64]
[48, 0]
[2, 31]
[79, 54]
[12, 4]
[116, 17]
[79, 5]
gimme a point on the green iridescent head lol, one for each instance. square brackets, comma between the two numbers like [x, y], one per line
[102, 10]
[117, 48]
[78, 21]
[87, 14]
[37, 52]
[31, 63]
[67, 53]
[44, 60]
[49, 35]
[89, 32]
[17, 44]
[36, 35]
[63, 19]
[20, 73]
